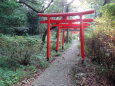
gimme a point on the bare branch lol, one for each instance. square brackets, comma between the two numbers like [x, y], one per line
[28, 6]
[71, 2]
[106, 2]
[42, 11]
[67, 6]
[47, 6]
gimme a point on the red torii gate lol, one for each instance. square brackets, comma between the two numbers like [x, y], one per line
[66, 26]
[64, 20]
[72, 31]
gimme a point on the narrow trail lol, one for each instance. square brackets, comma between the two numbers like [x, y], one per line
[59, 72]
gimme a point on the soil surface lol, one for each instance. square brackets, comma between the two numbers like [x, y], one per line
[60, 71]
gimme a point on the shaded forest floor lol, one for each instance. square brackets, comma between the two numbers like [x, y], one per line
[87, 74]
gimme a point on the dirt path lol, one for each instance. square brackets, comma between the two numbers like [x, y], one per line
[59, 73]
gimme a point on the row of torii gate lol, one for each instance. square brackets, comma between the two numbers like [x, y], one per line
[66, 23]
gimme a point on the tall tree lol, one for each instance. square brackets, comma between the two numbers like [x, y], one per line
[106, 2]
[10, 17]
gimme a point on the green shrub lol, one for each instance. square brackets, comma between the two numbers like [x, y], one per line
[14, 16]
[18, 49]
[100, 42]
[101, 49]
[108, 15]
[9, 77]
[108, 10]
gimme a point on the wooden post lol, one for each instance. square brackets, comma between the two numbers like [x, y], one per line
[82, 38]
[58, 37]
[63, 36]
[48, 39]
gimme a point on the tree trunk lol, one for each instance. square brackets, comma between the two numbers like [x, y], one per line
[106, 2]
[67, 35]
[45, 33]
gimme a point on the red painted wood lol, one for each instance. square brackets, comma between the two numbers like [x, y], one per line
[66, 21]
[69, 25]
[63, 36]
[64, 17]
[72, 27]
[63, 33]
[48, 39]
[58, 38]
[65, 14]
[82, 38]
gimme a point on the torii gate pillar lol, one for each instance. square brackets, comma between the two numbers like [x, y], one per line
[82, 38]
[58, 38]
[48, 39]
[63, 39]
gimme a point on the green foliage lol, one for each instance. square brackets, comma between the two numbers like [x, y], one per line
[100, 48]
[20, 56]
[10, 16]
[108, 15]
[108, 10]
[100, 42]
[18, 49]
[14, 52]
[9, 77]
[56, 7]
[37, 4]
[32, 23]
[17, 19]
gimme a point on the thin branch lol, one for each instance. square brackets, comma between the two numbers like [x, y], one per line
[106, 2]
[29, 6]
[67, 6]
[42, 11]
[43, 6]
[47, 6]
[71, 2]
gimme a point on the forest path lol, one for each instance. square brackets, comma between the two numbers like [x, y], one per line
[60, 71]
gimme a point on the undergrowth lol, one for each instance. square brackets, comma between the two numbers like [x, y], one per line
[100, 42]
[21, 56]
